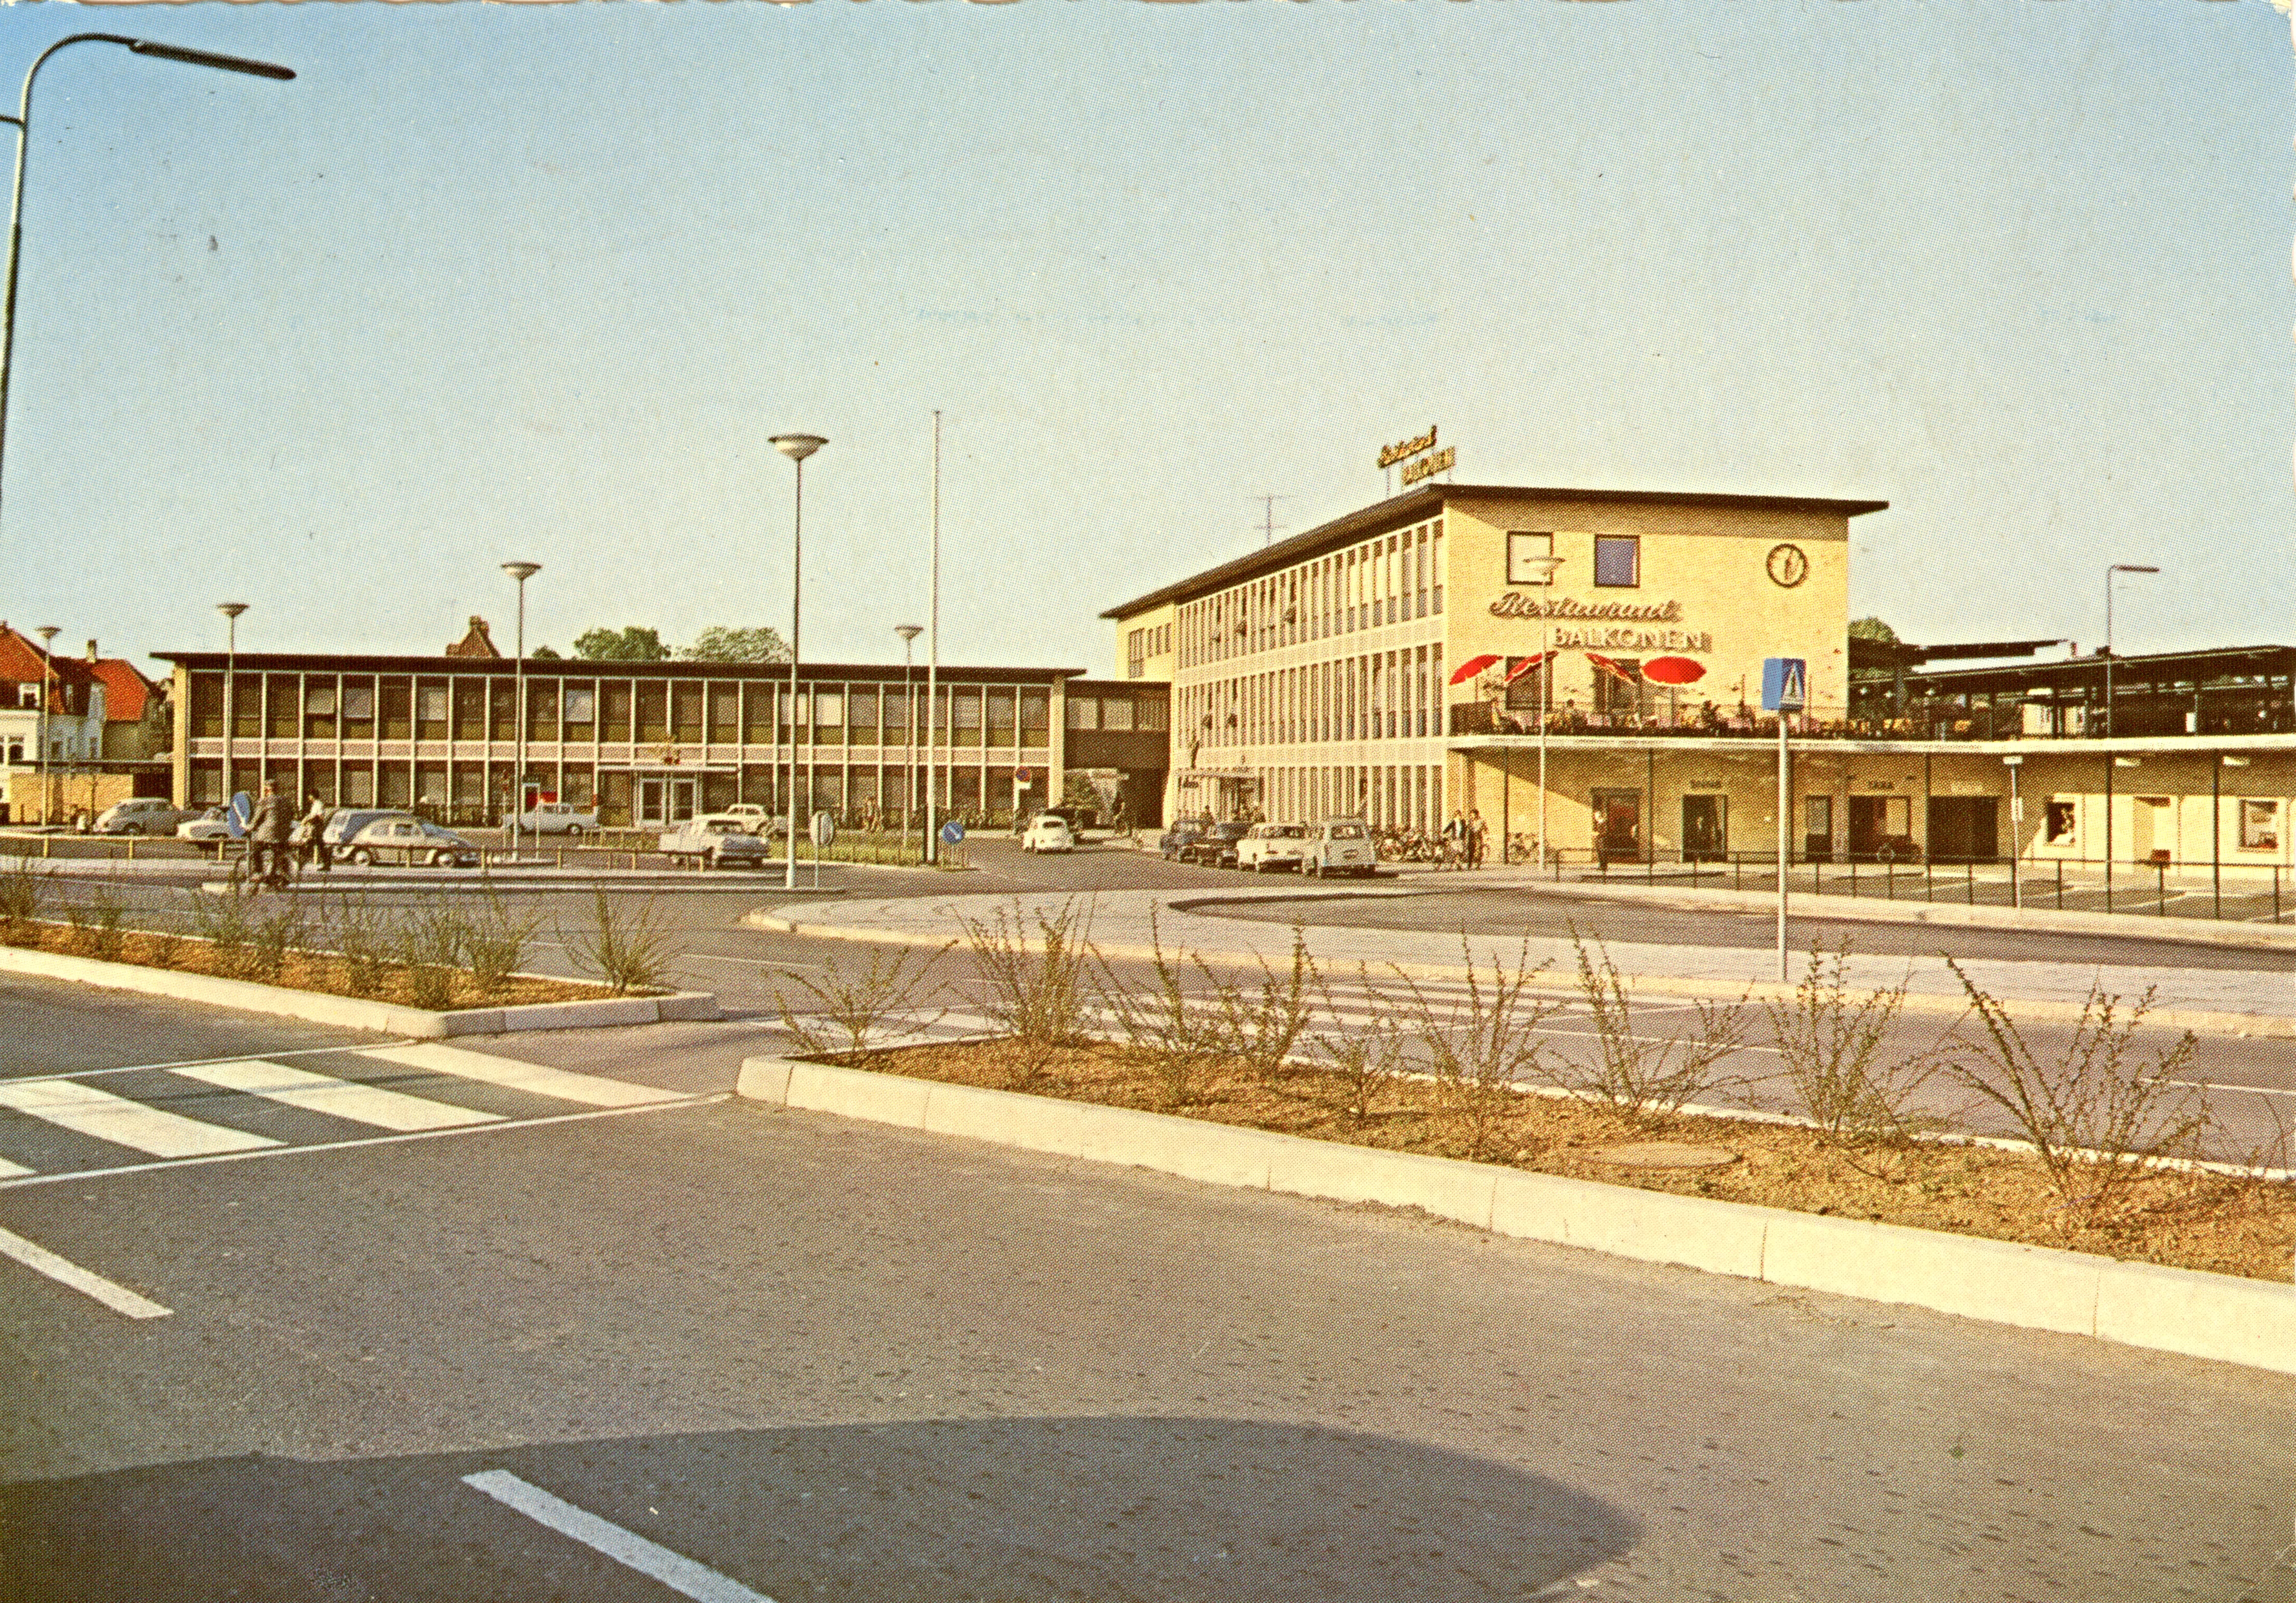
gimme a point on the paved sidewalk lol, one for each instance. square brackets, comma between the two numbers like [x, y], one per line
[2261, 1001]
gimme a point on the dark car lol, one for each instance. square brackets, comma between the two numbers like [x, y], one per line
[1174, 841]
[1216, 848]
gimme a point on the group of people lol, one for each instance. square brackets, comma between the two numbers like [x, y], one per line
[277, 838]
[1464, 836]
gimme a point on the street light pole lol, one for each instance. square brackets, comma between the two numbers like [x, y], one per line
[48, 633]
[908, 633]
[23, 122]
[933, 667]
[2116, 567]
[797, 447]
[521, 572]
[231, 611]
[1546, 566]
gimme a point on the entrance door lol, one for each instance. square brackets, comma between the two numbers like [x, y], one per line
[665, 800]
[1618, 826]
[1817, 828]
[680, 799]
[1703, 831]
[1963, 828]
[650, 800]
[1880, 827]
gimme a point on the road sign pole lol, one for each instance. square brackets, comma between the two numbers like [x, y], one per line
[1786, 797]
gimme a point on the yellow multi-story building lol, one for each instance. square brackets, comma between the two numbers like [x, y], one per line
[1360, 668]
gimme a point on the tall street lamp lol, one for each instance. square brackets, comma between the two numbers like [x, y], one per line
[797, 447]
[231, 611]
[908, 633]
[2116, 567]
[23, 122]
[1546, 566]
[521, 572]
[48, 633]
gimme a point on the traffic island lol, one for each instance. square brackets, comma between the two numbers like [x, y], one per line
[1666, 1215]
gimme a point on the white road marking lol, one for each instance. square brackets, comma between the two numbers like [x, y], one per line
[123, 1122]
[624, 1548]
[338, 1099]
[566, 1086]
[65, 1272]
[9, 1171]
[70, 1176]
[2261, 1091]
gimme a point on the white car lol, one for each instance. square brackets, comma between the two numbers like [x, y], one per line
[557, 818]
[209, 829]
[760, 823]
[399, 837]
[141, 816]
[716, 841]
[1048, 832]
[1267, 847]
[1338, 845]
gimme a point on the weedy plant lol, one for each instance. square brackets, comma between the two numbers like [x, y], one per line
[23, 889]
[1036, 982]
[838, 1014]
[225, 920]
[364, 943]
[273, 935]
[1261, 1028]
[495, 941]
[1833, 1050]
[429, 945]
[2096, 1117]
[1361, 1063]
[1482, 1046]
[106, 912]
[630, 951]
[1637, 1074]
[1178, 1033]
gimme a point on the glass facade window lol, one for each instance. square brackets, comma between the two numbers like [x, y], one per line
[1116, 713]
[581, 705]
[1002, 721]
[685, 713]
[1036, 718]
[285, 718]
[470, 701]
[542, 704]
[502, 699]
[1617, 560]
[965, 729]
[618, 704]
[861, 713]
[319, 703]
[1084, 712]
[430, 711]
[358, 709]
[653, 712]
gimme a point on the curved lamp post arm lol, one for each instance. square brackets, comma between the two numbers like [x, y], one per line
[23, 122]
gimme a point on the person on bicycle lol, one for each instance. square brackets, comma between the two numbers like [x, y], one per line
[268, 831]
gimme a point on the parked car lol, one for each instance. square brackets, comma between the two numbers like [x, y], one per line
[1048, 832]
[402, 837]
[1270, 847]
[141, 816]
[1216, 848]
[1171, 842]
[755, 819]
[1338, 845]
[345, 823]
[716, 841]
[557, 818]
[209, 829]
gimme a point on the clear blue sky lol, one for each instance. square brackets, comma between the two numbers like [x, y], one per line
[490, 281]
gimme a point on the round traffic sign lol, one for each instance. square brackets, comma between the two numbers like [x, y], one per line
[952, 833]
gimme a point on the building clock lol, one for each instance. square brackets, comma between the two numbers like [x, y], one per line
[1788, 565]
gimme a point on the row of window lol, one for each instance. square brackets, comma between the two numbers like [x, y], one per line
[477, 793]
[1388, 580]
[2260, 822]
[327, 706]
[1381, 695]
[1118, 713]
[1617, 558]
[1141, 644]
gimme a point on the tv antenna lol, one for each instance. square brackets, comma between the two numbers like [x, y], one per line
[1267, 524]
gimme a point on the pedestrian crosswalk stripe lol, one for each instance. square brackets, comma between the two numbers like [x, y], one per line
[88, 1111]
[592, 1090]
[336, 1099]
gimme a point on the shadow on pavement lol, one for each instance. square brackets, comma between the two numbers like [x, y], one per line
[1015, 1510]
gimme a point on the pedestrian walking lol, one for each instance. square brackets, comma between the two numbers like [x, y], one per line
[312, 837]
[1476, 833]
[268, 831]
[1454, 841]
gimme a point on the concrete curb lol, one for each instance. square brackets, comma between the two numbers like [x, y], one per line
[2219, 1317]
[355, 1012]
[2266, 1025]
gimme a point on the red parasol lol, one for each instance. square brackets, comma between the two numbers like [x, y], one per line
[1471, 667]
[1673, 670]
[1529, 663]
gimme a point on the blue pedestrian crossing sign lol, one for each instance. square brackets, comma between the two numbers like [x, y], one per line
[1785, 684]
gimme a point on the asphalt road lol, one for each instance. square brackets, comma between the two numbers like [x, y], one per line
[2252, 1081]
[823, 1360]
